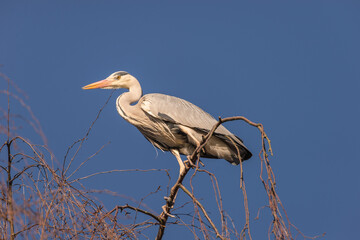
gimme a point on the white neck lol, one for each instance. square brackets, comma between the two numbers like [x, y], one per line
[124, 101]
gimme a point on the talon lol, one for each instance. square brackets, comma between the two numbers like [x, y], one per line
[190, 163]
[166, 212]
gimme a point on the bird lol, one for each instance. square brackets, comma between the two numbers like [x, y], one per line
[170, 123]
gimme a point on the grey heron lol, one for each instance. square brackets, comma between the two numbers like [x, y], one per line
[171, 123]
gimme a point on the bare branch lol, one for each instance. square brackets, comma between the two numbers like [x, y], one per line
[118, 170]
[137, 210]
[203, 210]
[87, 134]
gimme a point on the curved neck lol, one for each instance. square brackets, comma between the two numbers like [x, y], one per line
[124, 101]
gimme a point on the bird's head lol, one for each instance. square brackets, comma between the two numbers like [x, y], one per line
[116, 80]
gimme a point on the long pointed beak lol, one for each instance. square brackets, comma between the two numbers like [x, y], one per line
[99, 84]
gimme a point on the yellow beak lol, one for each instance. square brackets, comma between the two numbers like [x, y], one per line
[99, 84]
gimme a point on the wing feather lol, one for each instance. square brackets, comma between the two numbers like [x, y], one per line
[177, 110]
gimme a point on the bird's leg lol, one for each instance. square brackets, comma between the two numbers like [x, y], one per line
[176, 153]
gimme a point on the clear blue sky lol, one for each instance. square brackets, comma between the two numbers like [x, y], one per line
[292, 65]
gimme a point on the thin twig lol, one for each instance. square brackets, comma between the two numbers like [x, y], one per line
[203, 210]
[117, 170]
[87, 134]
[137, 210]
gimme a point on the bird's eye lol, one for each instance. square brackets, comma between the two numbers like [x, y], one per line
[118, 77]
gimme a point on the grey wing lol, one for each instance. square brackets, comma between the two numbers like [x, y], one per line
[177, 110]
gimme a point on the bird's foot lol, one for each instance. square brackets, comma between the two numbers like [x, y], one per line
[166, 212]
[182, 167]
[190, 163]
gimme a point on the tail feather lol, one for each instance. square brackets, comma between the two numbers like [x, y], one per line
[236, 144]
